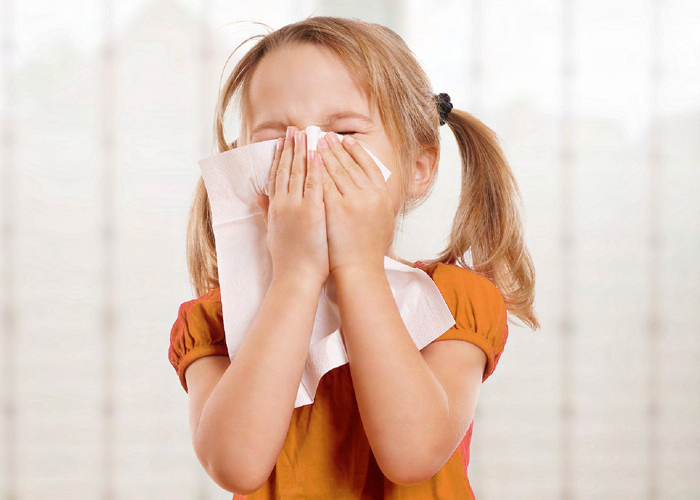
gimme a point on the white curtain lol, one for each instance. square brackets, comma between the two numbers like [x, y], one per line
[106, 106]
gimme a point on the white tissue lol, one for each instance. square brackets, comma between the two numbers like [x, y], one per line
[233, 179]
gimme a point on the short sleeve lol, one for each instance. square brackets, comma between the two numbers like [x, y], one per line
[478, 308]
[198, 331]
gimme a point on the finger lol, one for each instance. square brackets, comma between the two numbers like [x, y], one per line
[282, 175]
[313, 187]
[273, 169]
[340, 176]
[356, 173]
[265, 214]
[365, 161]
[330, 190]
[297, 177]
[263, 202]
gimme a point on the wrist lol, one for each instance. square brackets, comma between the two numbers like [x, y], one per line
[344, 273]
[301, 281]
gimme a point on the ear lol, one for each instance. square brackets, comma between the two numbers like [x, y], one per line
[424, 170]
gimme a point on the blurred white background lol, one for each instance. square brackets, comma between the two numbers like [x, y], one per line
[105, 108]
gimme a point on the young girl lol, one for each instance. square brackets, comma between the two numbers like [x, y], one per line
[394, 422]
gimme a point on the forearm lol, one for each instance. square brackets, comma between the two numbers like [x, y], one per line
[401, 402]
[246, 418]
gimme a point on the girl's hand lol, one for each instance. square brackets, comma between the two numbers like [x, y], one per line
[359, 209]
[294, 212]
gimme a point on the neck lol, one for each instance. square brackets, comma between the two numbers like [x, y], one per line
[391, 253]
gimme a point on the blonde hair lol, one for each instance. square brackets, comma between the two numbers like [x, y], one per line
[487, 222]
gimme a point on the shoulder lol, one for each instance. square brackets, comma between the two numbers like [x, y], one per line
[198, 331]
[210, 302]
[478, 308]
[463, 287]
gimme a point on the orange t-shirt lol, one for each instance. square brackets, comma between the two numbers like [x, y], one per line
[326, 453]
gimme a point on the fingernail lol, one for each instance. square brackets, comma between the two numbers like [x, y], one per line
[311, 155]
[332, 137]
[349, 140]
[280, 142]
[297, 138]
[322, 143]
[290, 132]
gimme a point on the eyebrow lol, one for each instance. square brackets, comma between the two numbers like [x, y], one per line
[340, 115]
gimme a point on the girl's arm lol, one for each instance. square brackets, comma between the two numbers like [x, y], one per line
[240, 410]
[415, 405]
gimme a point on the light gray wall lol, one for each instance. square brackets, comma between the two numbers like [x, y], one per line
[105, 108]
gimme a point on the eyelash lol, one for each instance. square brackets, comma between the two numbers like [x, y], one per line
[342, 133]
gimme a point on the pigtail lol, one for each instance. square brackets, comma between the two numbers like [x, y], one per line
[488, 222]
[201, 258]
[201, 246]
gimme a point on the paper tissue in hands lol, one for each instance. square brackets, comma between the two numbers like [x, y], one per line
[233, 179]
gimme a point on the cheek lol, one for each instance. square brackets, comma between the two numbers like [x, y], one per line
[383, 151]
[392, 185]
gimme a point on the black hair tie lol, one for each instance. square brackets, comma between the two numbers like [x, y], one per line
[444, 106]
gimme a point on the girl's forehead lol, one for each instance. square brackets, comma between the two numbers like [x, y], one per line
[304, 74]
[305, 85]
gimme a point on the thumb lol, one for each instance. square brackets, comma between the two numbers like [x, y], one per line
[263, 202]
